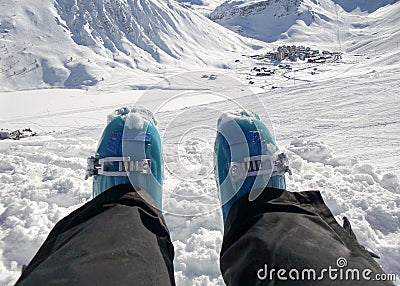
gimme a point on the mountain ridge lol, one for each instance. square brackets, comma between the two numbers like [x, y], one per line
[54, 43]
[324, 24]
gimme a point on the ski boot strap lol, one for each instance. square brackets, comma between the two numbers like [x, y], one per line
[107, 166]
[260, 165]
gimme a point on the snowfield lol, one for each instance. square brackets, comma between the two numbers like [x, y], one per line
[338, 122]
[349, 153]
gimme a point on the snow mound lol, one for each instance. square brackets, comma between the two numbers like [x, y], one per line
[235, 114]
[318, 152]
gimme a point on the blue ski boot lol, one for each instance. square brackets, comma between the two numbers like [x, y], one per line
[246, 159]
[129, 152]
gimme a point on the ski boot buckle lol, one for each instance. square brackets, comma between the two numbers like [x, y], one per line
[98, 166]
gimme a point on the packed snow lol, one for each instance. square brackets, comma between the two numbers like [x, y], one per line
[337, 121]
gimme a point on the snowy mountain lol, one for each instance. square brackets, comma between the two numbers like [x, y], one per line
[81, 43]
[324, 23]
[263, 20]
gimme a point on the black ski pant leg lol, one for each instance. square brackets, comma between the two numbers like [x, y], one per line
[285, 230]
[115, 239]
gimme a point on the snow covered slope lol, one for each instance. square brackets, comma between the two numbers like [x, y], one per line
[203, 6]
[263, 20]
[326, 23]
[81, 43]
[343, 143]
